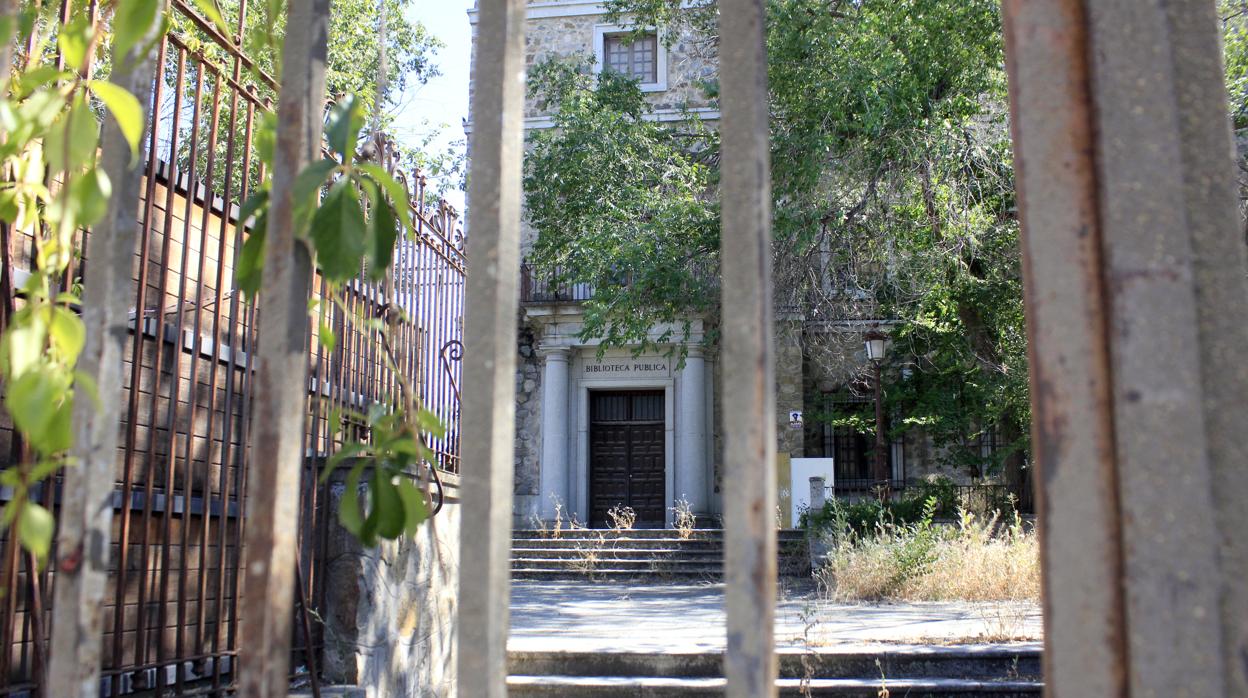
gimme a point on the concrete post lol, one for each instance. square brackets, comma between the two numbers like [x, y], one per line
[818, 495]
[554, 463]
[691, 476]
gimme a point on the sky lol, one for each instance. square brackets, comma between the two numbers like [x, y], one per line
[441, 103]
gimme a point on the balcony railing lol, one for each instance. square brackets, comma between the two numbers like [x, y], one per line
[539, 286]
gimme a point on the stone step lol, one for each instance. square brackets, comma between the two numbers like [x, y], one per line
[616, 575]
[786, 534]
[643, 566]
[981, 663]
[655, 553]
[631, 543]
[634, 686]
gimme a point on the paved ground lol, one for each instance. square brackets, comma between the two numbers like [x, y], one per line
[582, 616]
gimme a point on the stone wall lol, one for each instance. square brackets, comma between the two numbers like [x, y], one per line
[528, 444]
[687, 71]
[390, 611]
[789, 398]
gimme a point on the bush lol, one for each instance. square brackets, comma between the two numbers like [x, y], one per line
[976, 560]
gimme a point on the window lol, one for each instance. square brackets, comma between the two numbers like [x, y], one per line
[853, 451]
[639, 55]
[636, 59]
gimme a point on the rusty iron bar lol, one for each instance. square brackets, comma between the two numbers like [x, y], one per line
[748, 355]
[86, 514]
[282, 366]
[1134, 268]
[488, 410]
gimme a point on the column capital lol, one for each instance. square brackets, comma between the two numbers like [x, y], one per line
[554, 353]
[695, 351]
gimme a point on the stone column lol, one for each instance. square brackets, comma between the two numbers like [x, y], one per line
[691, 477]
[554, 464]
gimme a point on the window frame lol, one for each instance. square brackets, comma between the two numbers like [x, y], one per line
[603, 31]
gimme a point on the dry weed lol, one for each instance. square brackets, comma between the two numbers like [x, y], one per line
[683, 518]
[978, 560]
[622, 518]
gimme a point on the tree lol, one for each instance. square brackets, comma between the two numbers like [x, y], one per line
[622, 203]
[893, 194]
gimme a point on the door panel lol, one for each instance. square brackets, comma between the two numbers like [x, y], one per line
[626, 456]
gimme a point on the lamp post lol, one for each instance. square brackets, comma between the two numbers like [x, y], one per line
[876, 346]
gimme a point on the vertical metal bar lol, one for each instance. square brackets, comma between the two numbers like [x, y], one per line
[87, 499]
[1220, 283]
[282, 366]
[171, 181]
[490, 338]
[1072, 425]
[1139, 124]
[1141, 55]
[749, 385]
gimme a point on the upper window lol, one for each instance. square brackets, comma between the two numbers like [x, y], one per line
[636, 59]
[639, 55]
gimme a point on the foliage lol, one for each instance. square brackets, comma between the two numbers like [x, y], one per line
[978, 559]
[352, 230]
[893, 198]
[936, 497]
[623, 204]
[353, 68]
[50, 187]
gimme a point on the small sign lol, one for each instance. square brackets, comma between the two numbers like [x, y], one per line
[795, 419]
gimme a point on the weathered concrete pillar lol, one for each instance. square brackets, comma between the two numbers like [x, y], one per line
[554, 464]
[691, 476]
[818, 495]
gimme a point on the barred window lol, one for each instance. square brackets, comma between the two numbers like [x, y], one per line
[638, 59]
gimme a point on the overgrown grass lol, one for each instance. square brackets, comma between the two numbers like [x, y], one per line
[976, 559]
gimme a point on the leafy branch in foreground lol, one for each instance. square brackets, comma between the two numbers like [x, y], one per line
[52, 186]
[352, 230]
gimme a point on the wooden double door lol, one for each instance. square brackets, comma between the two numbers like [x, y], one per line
[626, 456]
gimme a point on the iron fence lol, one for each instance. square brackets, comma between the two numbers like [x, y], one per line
[180, 501]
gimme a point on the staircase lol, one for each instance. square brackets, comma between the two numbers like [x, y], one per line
[912, 672]
[658, 555]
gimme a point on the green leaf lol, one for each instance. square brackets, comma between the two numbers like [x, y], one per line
[338, 232]
[209, 9]
[68, 334]
[349, 506]
[306, 189]
[132, 20]
[74, 39]
[430, 424]
[72, 139]
[251, 260]
[35, 401]
[382, 232]
[253, 203]
[414, 508]
[398, 193]
[27, 82]
[35, 527]
[349, 450]
[388, 507]
[21, 347]
[342, 128]
[88, 194]
[126, 111]
[266, 134]
[8, 206]
[328, 339]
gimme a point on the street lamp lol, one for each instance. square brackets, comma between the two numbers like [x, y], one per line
[876, 346]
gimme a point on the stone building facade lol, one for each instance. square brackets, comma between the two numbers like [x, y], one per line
[642, 431]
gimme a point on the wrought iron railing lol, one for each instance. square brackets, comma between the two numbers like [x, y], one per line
[171, 621]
